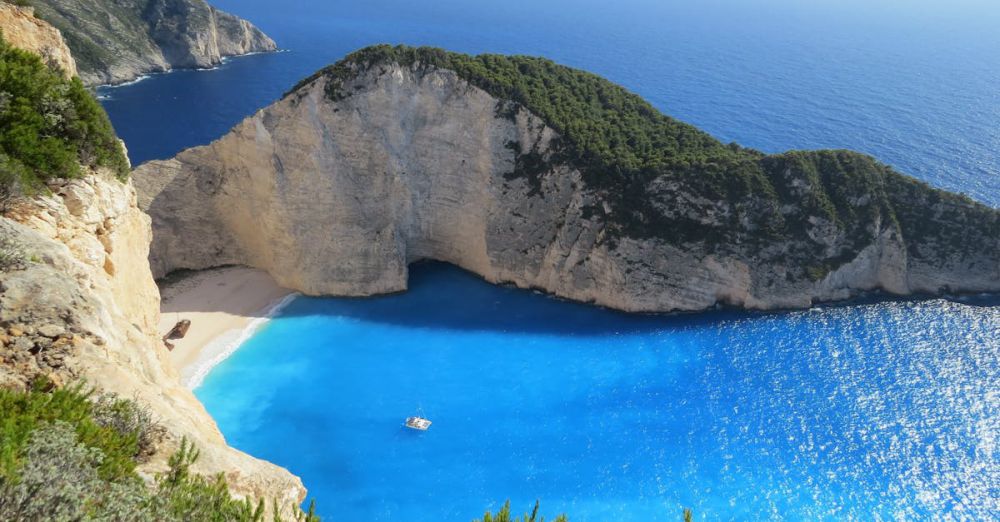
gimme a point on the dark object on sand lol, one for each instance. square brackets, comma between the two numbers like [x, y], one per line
[177, 332]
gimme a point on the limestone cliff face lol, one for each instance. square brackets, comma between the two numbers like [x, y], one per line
[83, 305]
[116, 41]
[337, 195]
[23, 30]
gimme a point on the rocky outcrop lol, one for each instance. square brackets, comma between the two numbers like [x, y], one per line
[118, 41]
[338, 187]
[23, 30]
[82, 304]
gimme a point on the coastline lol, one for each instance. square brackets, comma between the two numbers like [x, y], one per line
[223, 60]
[225, 306]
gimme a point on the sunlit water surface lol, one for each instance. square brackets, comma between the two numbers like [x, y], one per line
[886, 410]
[882, 410]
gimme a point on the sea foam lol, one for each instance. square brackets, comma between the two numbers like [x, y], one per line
[220, 348]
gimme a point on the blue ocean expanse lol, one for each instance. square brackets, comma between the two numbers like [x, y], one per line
[888, 410]
[873, 411]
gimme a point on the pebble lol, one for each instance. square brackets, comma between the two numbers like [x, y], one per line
[51, 331]
[23, 343]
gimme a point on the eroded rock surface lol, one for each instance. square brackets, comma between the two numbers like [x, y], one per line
[116, 41]
[82, 304]
[23, 30]
[339, 194]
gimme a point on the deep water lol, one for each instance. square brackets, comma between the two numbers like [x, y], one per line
[886, 410]
[913, 82]
[882, 410]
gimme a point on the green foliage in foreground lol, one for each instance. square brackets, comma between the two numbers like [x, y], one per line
[65, 455]
[504, 516]
[25, 413]
[50, 126]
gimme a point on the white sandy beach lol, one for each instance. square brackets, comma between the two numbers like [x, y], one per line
[225, 306]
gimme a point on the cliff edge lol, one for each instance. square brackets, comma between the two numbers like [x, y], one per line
[530, 173]
[77, 299]
[83, 306]
[23, 30]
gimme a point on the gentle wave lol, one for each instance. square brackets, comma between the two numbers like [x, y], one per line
[223, 346]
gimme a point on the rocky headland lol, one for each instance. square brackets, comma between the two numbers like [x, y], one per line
[116, 41]
[530, 173]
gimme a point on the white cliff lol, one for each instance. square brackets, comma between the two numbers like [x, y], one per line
[338, 195]
[83, 306]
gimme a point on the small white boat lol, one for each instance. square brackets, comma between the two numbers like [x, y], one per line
[418, 423]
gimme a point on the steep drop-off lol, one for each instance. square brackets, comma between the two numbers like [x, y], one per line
[78, 303]
[83, 305]
[115, 41]
[535, 174]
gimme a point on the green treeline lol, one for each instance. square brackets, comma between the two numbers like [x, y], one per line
[663, 178]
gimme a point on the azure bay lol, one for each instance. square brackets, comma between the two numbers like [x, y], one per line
[880, 409]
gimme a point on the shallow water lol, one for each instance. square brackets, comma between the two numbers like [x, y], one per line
[886, 410]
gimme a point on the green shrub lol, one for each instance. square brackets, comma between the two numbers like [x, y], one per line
[64, 456]
[23, 413]
[504, 515]
[50, 126]
[12, 256]
[129, 417]
[57, 480]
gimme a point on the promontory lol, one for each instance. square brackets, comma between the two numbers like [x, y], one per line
[115, 41]
[531, 173]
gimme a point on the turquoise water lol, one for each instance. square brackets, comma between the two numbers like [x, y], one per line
[882, 410]
[887, 410]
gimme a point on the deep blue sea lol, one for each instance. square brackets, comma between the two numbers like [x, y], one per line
[913, 82]
[884, 410]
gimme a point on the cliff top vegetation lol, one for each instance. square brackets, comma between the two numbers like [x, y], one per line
[660, 177]
[50, 126]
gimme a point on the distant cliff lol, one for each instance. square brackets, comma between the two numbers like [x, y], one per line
[115, 41]
[531, 173]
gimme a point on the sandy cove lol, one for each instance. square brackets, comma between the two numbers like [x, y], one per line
[225, 306]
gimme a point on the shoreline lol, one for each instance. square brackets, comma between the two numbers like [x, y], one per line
[226, 306]
[149, 74]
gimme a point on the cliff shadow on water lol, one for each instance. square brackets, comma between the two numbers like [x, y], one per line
[444, 296]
